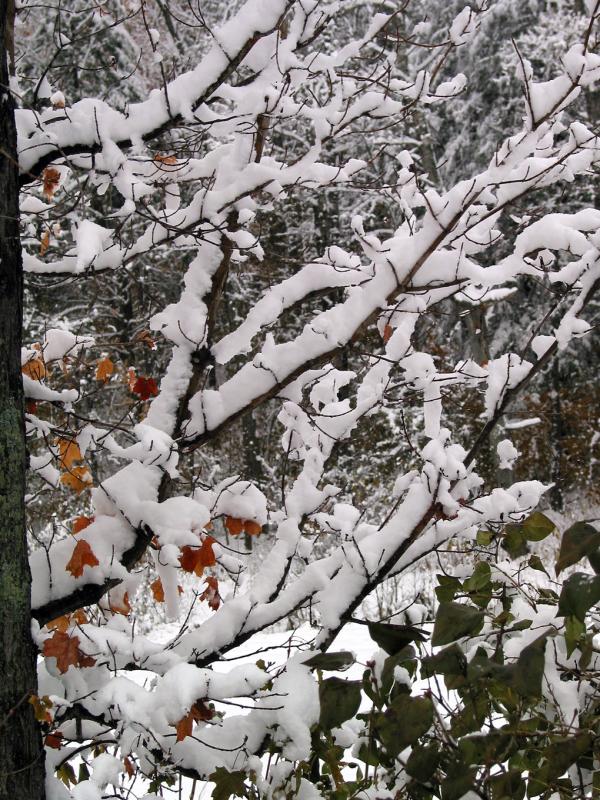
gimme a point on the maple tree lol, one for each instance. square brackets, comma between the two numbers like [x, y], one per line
[134, 456]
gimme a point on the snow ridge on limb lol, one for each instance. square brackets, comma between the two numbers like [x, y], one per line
[92, 126]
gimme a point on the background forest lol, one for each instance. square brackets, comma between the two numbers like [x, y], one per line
[485, 683]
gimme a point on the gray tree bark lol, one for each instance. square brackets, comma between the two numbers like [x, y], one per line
[21, 750]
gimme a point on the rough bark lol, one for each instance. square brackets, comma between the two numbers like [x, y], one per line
[21, 751]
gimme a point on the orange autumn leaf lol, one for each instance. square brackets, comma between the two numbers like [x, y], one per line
[252, 528]
[158, 591]
[121, 606]
[104, 369]
[146, 338]
[81, 523]
[211, 593]
[195, 559]
[60, 623]
[184, 727]
[207, 553]
[68, 452]
[129, 768]
[191, 560]
[51, 179]
[80, 617]
[83, 556]
[54, 740]
[199, 712]
[78, 479]
[131, 378]
[44, 243]
[65, 649]
[387, 333]
[40, 707]
[145, 388]
[168, 160]
[34, 369]
[234, 525]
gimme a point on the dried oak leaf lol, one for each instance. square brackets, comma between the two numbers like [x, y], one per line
[78, 479]
[104, 369]
[387, 333]
[79, 616]
[121, 605]
[158, 591]
[60, 623]
[252, 528]
[211, 593]
[65, 649]
[234, 525]
[41, 706]
[83, 556]
[81, 523]
[50, 179]
[68, 452]
[145, 388]
[146, 338]
[170, 161]
[54, 740]
[184, 727]
[195, 559]
[199, 712]
[44, 243]
[34, 369]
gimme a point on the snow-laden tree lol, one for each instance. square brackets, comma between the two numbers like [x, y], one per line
[193, 172]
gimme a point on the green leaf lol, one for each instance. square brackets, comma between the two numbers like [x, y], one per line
[369, 754]
[66, 773]
[514, 541]
[523, 676]
[486, 749]
[340, 700]
[578, 541]
[447, 588]
[484, 538]
[454, 620]
[574, 630]
[537, 526]
[406, 719]
[228, 784]
[594, 559]
[423, 761]
[579, 593]
[480, 578]
[527, 674]
[561, 754]
[509, 786]
[459, 780]
[535, 562]
[331, 661]
[405, 658]
[394, 638]
[449, 661]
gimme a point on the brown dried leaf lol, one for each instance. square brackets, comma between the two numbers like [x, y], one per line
[83, 556]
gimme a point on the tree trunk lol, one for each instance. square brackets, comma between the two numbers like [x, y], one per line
[21, 751]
